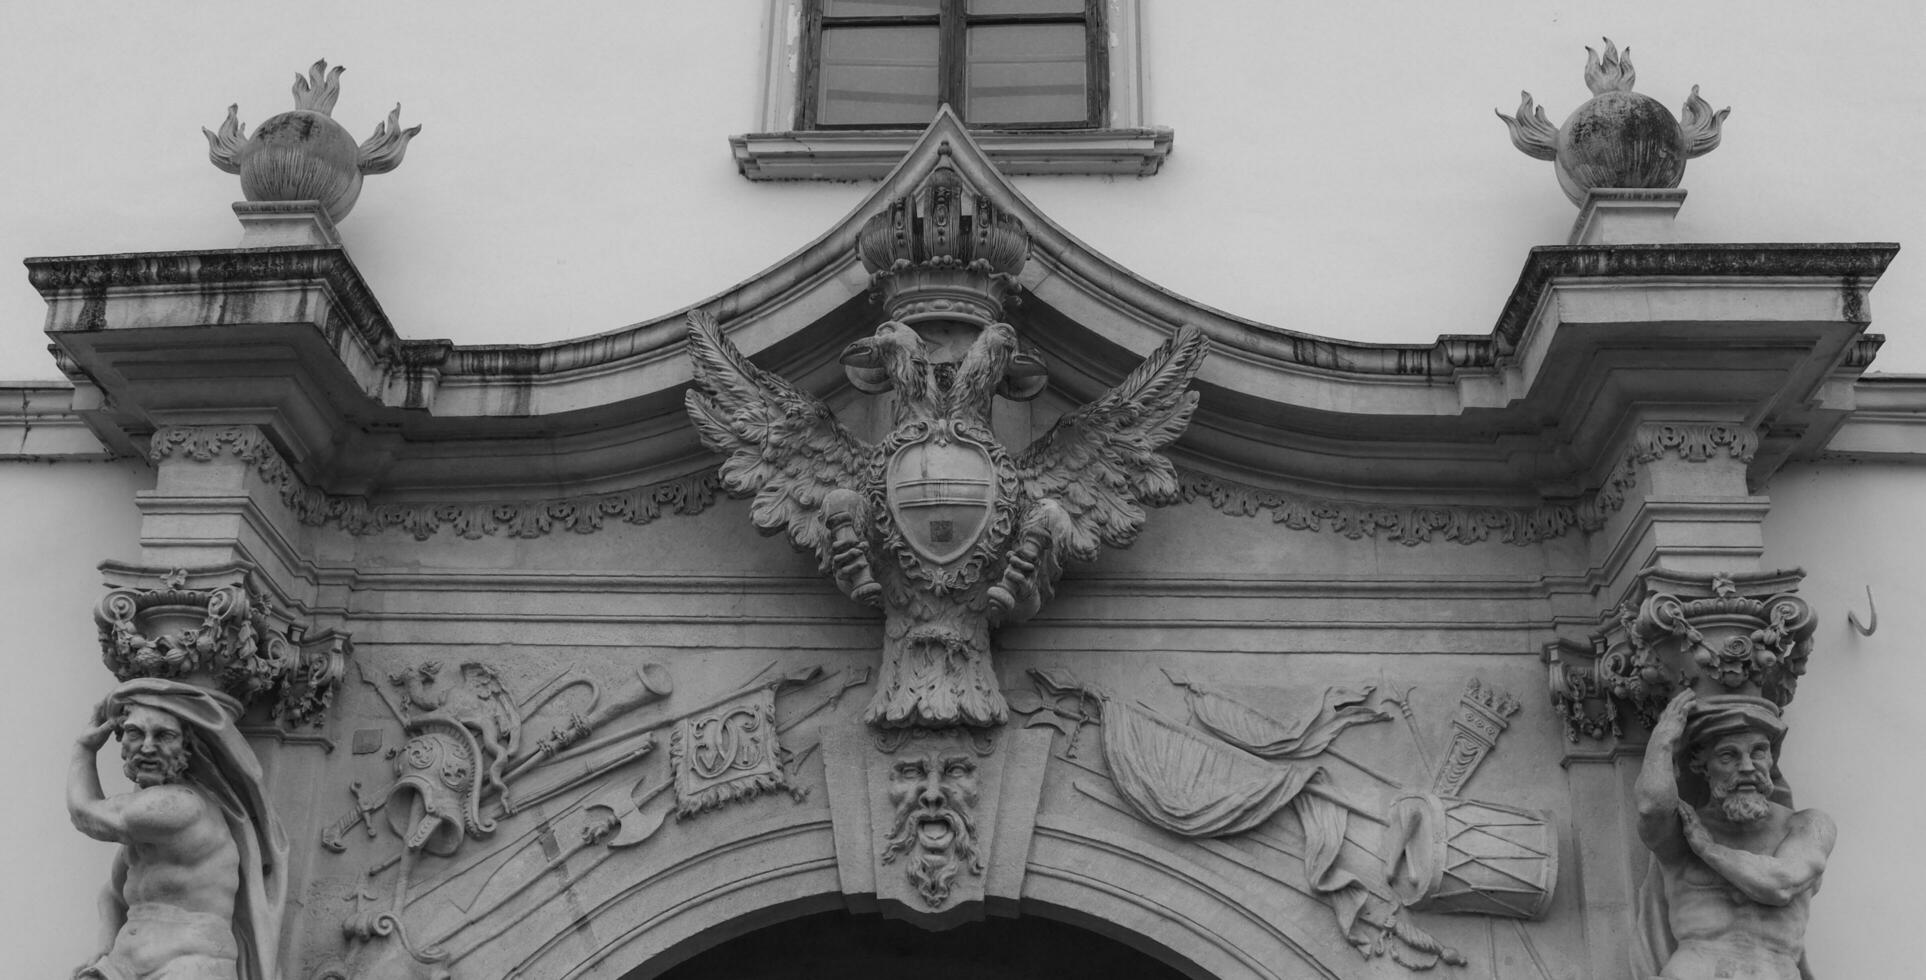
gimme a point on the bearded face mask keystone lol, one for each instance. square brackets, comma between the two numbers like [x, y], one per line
[934, 794]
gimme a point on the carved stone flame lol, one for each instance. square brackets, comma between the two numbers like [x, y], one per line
[303, 154]
[1620, 138]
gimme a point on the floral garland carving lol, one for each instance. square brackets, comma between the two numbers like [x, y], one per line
[582, 514]
[1412, 525]
[1695, 442]
[1409, 525]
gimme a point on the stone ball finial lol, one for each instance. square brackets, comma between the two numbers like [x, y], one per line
[1619, 139]
[304, 155]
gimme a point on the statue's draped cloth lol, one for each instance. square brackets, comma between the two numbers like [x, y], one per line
[225, 766]
[1222, 783]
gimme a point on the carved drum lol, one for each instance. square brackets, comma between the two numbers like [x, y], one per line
[1472, 857]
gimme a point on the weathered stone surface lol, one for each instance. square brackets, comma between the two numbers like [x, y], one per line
[1249, 742]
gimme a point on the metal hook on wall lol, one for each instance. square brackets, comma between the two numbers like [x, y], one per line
[1872, 621]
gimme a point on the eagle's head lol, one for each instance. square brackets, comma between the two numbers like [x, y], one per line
[892, 357]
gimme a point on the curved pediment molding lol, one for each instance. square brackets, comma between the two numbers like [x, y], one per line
[1591, 339]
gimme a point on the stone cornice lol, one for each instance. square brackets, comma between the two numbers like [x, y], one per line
[1549, 263]
[306, 353]
[224, 270]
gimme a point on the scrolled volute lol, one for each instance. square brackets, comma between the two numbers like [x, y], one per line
[1717, 634]
[222, 637]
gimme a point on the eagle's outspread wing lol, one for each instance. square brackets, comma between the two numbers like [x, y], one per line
[1101, 463]
[780, 444]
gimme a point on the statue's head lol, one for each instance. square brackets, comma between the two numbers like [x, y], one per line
[153, 746]
[934, 792]
[1732, 743]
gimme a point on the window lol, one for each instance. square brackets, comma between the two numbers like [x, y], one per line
[885, 64]
[1048, 86]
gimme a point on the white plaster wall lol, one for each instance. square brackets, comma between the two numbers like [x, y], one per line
[1857, 715]
[76, 515]
[1337, 167]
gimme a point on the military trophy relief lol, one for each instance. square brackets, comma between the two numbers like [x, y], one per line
[1707, 663]
[199, 885]
[1370, 846]
[498, 803]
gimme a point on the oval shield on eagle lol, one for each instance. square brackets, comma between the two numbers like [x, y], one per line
[941, 491]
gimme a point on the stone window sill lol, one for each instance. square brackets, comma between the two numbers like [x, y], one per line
[871, 153]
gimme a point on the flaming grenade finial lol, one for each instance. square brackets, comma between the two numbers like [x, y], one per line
[304, 154]
[1620, 138]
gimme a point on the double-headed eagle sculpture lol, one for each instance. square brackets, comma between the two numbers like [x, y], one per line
[938, 524]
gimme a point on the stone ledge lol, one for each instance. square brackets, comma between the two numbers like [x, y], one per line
[872, 153]
[1548, 263]
[38, 423]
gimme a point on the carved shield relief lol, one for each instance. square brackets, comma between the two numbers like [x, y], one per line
[941, 490]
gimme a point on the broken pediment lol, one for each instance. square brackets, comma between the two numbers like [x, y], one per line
[1592, 343]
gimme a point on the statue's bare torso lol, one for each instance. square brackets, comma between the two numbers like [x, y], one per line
[1723, 933]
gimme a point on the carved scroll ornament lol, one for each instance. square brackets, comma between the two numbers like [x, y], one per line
[1740, 634]
[220, 638]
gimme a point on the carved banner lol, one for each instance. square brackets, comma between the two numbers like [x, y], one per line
[727, 753]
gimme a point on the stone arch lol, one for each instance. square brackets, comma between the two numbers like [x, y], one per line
[1202, 920]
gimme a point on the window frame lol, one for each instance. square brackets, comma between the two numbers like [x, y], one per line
[953, 22]
[1124, 145]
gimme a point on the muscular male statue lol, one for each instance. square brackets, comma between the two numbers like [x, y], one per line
[190, 890]
[1734, 866]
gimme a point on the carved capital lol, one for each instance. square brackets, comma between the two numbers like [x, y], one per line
[1717, 634]
[212, 628]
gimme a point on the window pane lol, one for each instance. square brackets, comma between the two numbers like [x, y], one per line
[880, 8]
[1026, 6]
[1027, 73]
[877, 76]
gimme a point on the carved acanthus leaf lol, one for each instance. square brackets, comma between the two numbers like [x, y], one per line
[1717, 634]
[220, 637]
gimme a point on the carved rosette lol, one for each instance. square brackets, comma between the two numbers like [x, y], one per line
[222, 638]
[944, 252]
[1720, 635]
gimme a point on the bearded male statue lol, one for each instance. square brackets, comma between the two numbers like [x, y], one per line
[1734, 866]
[196, 890]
